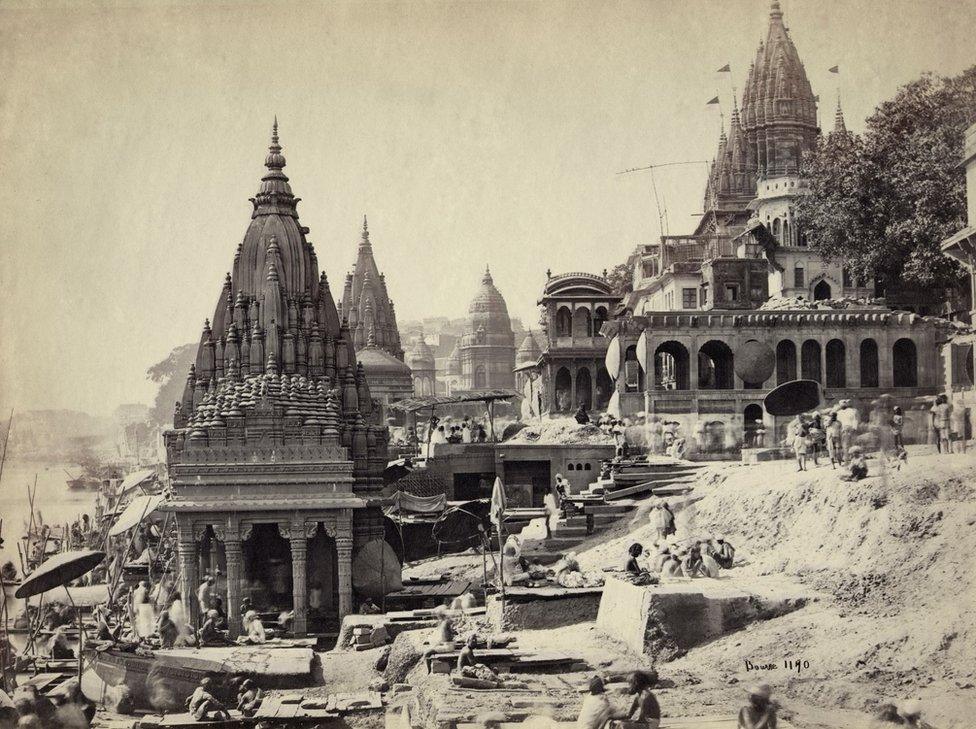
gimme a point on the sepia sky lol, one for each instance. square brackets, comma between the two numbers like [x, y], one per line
[132, 135]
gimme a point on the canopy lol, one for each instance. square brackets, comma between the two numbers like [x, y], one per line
[81, 596]
[58, 571]
[137, 510]
[134, 479]
[395, 470]
[405, 501]
[412, 404]
[376, 570]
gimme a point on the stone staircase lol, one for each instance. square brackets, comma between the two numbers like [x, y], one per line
[607, 501]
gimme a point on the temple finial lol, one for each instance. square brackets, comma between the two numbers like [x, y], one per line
[274, 131]
[774, 10]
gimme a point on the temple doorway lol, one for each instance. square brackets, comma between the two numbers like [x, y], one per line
[584, 388]
[267, 569]
[604, 388]
[323, 582]
[821, 291]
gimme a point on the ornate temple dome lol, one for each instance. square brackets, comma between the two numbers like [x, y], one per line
[529, 351]
[488, 310]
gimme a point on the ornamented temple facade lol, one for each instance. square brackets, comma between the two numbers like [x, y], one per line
[276, 450]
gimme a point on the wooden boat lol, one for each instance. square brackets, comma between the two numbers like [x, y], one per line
[162, 681]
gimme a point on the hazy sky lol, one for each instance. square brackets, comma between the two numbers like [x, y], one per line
[133, 135]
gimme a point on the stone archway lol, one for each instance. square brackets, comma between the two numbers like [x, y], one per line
[584, 388]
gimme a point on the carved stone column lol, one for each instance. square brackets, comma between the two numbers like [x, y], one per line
[343, 542]
[299, 580]
[232, 551]
[186, 549]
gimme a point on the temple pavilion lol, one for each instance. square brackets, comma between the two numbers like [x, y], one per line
[276, 450]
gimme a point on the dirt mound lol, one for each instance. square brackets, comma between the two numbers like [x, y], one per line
[562, 431]
[896, 553]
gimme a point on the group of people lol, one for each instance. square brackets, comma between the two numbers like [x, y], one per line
[65, 708]
[643, 711]
[203, 705]
[446, 431]
[671, 558]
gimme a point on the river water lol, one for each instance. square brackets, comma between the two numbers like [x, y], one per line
[53, 499]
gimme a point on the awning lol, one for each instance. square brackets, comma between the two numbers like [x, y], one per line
[403, 501]
[137, 510]
[135, 479]
[412, 404]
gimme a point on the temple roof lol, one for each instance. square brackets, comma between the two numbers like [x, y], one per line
[529, 351]
[420, 355]
[366, 303]
[488, 308]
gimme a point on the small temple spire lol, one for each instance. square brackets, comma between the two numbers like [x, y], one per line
[774, 10]
[839, 125]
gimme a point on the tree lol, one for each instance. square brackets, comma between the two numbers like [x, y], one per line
[621, 279]
[883, 202]
[170, 373]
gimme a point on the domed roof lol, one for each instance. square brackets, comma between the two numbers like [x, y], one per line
[488, 313]
[379, 361]
[529, 352]
[420, 353]
[488, 300]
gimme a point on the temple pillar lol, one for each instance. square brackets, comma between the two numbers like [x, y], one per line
[186, 550]
[343, 542]
[233, 553]
[299, 578]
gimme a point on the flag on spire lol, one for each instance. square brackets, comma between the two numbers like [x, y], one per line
[725, 69]
[713, 101]
[834, 69]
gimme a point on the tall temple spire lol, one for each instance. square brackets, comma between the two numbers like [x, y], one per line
[365, 290]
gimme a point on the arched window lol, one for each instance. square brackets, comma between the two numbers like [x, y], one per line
[599, 319]
[777, 229]
[810, 361]
[821, 292]
[715, 366]
[672, 366]
[869, 363]
[480, 377]
[848, 279]
[752, 420]
[904, 364]
[604, 388]
[587, 467]
[570, 467]
[563, 391]
[582, 323]
[799, 277]
[785, 362]
[633, 372]
[786, 233]
[584, 388]
[836, 364]
[564, 322]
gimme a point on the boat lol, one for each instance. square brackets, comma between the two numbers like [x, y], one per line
[84, 483]
[161, 680]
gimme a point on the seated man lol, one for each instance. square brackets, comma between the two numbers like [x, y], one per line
[210, 631]
[760, 712]
[254, 628]
[249, 698]
[202, 704]
[466, 656]
[724, 553]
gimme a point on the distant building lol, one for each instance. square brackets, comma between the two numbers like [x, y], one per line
[487, 350]
[958, 353]
[422, 367]
[575, 306]
[748, 246]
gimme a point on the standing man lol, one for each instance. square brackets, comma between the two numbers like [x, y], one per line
[941, 413]
[849, 419]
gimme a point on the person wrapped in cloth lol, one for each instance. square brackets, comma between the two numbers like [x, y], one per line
[642, 712]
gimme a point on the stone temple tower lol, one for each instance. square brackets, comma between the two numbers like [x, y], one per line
[275, 456]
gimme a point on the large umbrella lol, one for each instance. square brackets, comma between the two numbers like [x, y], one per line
[59, 571]
[137, 510]
[793, 398]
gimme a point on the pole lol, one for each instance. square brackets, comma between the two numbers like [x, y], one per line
[6, 437]
[501, 561]
[81, 633]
